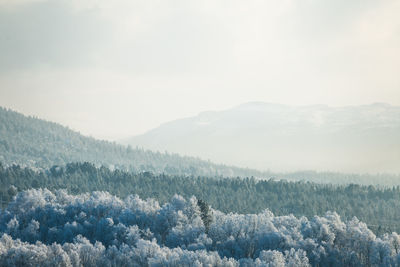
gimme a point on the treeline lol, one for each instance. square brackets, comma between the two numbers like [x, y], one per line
[379, 207]
[41, 228]
[380, 179]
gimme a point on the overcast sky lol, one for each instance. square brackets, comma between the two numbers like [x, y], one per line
[117, 68]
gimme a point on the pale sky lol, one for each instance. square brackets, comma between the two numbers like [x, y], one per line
[113, 69]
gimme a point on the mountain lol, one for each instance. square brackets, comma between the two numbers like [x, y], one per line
[287, 138]
[32, 142]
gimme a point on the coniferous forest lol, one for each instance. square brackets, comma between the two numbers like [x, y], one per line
[378, 207]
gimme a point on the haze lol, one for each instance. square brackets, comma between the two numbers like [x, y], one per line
[113, 69]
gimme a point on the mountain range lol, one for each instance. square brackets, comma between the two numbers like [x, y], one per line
[284, 138]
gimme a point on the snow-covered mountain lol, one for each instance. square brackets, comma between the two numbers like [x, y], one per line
[287, 138]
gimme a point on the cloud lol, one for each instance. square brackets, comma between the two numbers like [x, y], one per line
[16, 3]
[199, 55]
[181, 36]
[49, 34]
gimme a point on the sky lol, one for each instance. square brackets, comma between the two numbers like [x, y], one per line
[113, 69]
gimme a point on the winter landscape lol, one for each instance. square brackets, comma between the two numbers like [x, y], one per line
[199, 133]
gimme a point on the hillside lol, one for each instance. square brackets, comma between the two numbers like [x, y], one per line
[29, 141]
[282, 138]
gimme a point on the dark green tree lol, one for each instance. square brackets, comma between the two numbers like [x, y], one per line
[206, 216]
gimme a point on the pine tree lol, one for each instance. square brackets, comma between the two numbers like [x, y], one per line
[205, 214]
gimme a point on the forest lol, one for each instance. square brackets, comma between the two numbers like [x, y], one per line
[44, 228]
[378, 207]
[71, 200]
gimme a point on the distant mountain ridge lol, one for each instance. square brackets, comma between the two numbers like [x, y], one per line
[287, 138]
[32, 142]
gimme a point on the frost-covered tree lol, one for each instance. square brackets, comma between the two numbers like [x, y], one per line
[44, 228]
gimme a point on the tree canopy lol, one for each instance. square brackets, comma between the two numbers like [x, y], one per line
[40, 227]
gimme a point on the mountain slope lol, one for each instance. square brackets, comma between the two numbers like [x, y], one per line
[287, 138]
[33, 142]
